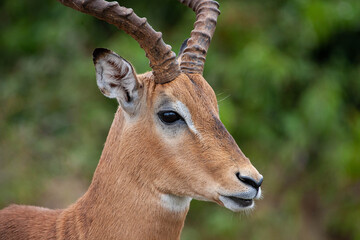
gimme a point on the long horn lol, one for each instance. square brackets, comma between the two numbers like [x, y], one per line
[162, 60]
[193, 57]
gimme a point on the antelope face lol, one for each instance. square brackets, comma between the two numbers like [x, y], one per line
[195, 155]
[205, 159]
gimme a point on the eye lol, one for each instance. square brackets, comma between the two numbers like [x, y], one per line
[169, 117]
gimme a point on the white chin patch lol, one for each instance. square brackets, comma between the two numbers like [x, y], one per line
[258, 195]
[175, 203]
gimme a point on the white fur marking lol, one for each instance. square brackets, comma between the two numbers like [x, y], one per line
[185, 113]
[175, 203]
[258, 195]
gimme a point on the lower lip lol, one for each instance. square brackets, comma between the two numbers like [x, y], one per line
[241, 202]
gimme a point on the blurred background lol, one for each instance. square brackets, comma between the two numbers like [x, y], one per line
[287, 78]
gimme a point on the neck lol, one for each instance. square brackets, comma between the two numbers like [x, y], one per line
[122, 201]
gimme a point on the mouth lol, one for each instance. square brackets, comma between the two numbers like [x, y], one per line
[241, 202]
[235, 203]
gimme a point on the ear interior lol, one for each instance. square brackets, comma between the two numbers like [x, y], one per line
[116, 78]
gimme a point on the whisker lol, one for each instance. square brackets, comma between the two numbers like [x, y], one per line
[223, 99]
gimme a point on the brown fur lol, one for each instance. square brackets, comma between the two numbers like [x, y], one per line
[137, 166]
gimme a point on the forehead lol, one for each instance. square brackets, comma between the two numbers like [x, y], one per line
[192, 90]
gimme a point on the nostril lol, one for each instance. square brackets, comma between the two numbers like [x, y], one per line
[249, 181]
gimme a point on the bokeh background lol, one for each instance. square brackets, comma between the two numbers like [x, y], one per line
[287, 77]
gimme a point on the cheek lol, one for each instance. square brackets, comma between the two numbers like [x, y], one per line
[184, 151]
[172, 134]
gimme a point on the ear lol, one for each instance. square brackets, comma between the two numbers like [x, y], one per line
[116, 78]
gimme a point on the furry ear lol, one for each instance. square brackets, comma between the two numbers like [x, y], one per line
[116, 78]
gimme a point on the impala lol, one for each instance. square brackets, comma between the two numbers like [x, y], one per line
[165, 147]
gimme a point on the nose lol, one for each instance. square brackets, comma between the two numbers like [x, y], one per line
[250, 181]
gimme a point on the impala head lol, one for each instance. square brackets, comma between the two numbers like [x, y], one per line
[172, 112]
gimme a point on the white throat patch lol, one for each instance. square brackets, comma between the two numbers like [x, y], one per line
[175, 203]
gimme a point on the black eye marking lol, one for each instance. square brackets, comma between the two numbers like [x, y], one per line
[169, 117]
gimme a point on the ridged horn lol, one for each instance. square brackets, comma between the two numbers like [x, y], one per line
[162, 60]
[193, 57]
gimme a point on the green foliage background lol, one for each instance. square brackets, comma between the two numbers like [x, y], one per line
[287, 77]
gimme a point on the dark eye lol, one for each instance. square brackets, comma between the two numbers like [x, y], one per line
[169, 116]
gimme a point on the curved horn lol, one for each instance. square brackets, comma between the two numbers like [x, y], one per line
[162, 60]
[193, 58]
